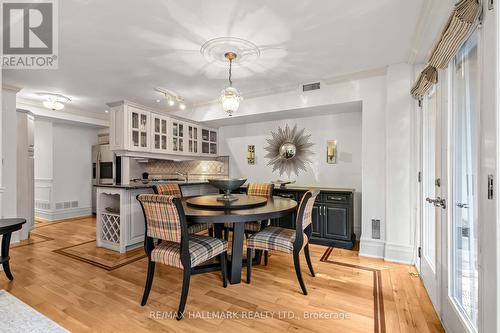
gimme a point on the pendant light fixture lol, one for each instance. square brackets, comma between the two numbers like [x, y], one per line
[230, 97]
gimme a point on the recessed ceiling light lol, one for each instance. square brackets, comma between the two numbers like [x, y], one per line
[158, 101]
[106, 111]
[54, 102]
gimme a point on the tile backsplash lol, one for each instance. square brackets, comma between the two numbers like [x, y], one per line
[196, 169]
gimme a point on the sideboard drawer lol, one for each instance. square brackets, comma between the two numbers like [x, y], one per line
[336, 197]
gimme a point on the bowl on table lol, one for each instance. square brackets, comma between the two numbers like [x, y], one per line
[227, 185]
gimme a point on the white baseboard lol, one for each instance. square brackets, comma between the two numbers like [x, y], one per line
[62, 214]
[402, 254]
[372, 248]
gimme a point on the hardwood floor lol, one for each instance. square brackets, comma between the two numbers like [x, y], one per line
[352, 294]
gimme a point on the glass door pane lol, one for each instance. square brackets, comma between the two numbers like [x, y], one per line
[465, 113]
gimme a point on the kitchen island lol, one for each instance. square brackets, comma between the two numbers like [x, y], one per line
[119, 217]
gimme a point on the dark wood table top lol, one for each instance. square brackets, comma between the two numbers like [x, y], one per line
[275, 207]
[8, 225]
[242, 201]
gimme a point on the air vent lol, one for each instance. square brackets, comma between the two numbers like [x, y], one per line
[42, 204]
[375, 229]
[311, 86]
[66, 204]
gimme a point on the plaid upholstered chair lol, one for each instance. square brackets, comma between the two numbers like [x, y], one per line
[175, 190]
[257, 189]
[165, 220]
[287, 240]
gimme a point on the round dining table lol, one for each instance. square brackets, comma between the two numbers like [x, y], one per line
[275, 207]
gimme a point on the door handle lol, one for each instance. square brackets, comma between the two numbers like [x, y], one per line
[431, 201]
[438, 202]
[462, 205]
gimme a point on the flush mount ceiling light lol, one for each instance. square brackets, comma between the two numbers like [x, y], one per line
[54, 102]
[172, 97]
[230, 97]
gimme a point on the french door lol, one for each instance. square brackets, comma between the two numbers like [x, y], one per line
[431, 204]
[461, 278]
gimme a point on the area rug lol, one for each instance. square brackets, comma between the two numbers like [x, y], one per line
[109, 260]
[378, 299]
[17, 317]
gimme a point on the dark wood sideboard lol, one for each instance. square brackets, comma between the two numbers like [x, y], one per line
[332, 217]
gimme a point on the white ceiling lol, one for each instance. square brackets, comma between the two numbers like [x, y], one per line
[114, 50]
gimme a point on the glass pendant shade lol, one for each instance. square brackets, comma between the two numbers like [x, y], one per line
[230, 99]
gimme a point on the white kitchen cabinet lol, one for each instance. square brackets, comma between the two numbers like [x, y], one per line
[159, 133]
[209, 143]
[177, 139]
[139, 129]
[193, 139]
[136, 128]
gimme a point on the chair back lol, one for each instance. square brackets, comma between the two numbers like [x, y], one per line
[304, 216]
[260, 189]
[164, 216]
[168, 189]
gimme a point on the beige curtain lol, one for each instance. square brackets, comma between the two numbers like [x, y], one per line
[457, 29]
[426, 79]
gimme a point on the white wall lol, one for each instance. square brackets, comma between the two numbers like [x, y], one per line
[44, 149]
[374, 93]
[399, 222]
[345, 128]
[63, 168]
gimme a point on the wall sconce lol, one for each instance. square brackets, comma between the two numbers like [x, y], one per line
[331, 152]
[251, 154]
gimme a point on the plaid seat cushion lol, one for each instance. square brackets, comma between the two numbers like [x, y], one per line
[273, 239]
[261, 190]
[249, 226]
[197, 227]
[201, 249]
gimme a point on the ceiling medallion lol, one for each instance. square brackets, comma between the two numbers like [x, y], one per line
[54, 102]
[288, 150]
[214, 51]
[230, 97]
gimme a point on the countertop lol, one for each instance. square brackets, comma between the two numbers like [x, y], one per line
[298, 187]
[138, 185]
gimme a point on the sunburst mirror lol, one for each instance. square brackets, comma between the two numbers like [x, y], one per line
[289, 150]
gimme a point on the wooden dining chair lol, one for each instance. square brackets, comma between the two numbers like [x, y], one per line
[260, 190]
[175, 190]
[165, 220]
[287, 240]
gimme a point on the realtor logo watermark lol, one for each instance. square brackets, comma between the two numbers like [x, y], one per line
[29, 34]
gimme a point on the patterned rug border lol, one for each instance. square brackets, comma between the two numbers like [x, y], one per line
[378, 296]
[92, 262]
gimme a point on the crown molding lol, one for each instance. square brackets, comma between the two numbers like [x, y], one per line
[11, 88]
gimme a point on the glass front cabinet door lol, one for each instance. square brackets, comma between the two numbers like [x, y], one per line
[177, 130]
[159, 130]
[193, 139]
[208, 141]
[139, 129]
